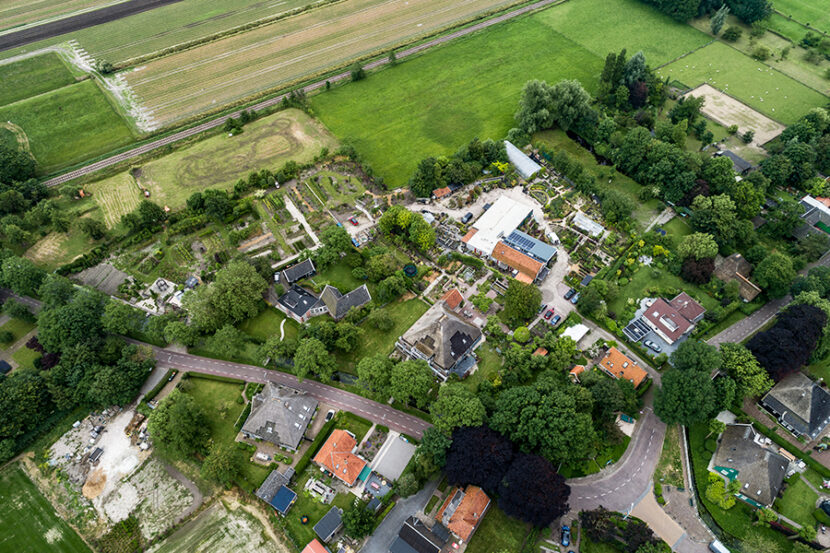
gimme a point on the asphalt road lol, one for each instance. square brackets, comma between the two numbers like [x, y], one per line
[73, 23]
[218, 122]
[376, 412]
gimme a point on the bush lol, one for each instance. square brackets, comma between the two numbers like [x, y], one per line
[732, 33]
[822, 517]
[243, 416]
[762, 53]
[711, 445]
[6, 336]
[732, 129]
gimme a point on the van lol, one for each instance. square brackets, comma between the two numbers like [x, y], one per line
[718, 547]
[467, 217]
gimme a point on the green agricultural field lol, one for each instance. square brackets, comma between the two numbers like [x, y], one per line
[116, 196]
[30, 523]
[32, 76]
[435, 103]
[68, 125]
[770, 92]
[15, 13]
[815, 13]
[219, 161]
[605, 25]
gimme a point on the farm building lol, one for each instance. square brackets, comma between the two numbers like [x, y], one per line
[280, 415]
[618, 365]
[742, 454]
[505, 216]
[672, 320]
[525, 166]
[337, 457]
[442, 339]
[275, 491]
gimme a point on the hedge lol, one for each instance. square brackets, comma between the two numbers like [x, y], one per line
[243, 416]
[217, 377]
[822, 517]
[157, 388]
[322, 436]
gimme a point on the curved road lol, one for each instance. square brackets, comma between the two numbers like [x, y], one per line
[218, 122]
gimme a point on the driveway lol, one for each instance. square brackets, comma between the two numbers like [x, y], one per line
[387, 531]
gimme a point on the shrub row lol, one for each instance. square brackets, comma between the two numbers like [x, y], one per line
[243, 416]
[216, 377]
[157, 388]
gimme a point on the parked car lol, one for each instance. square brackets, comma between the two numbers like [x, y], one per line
[652, 345]
[549, 314]
[329, 415]
[555, 321]
[543, 307]
[353, 221]
[569, 294]
[172, 375]
[575, 298]
[566, 536]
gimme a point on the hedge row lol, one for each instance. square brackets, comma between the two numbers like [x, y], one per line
[322, 436]
[205, 376]
[243, 416]
[157, 388]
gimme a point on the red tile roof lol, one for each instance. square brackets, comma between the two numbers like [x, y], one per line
[527, 266]
[453, 298]
[618, 365]
[336, 455]
[315, 546]
[467, 514]
[441, 192]
[688, 307]
[667, 319]
[470, 234]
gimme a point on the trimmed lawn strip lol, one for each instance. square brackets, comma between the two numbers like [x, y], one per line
[26, 357]
[32, 76]
[30, 523]
[18, 327]
[267, 324]
[798, 503]
[354, 424]
[498, 532]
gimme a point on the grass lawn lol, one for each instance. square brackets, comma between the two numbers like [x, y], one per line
[68, 125]
[435, 103]
[354, 424]
[821, 369]
[26, 357]
[738, 520]
[30, 523]
[218, 399]
[676, 229]
[498, 532]
[306, 505]
[116, 196]
[58, 248]
[815, 13]
[340, 276]
[592, 466]
[757, 85]
[670, 466]
[798, 503]
[587, 546]
[32, 76]
[18, 328]
[430, 504]
[267, 324]
[490, 362]
[559, 140]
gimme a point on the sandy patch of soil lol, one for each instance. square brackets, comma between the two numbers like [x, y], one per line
[728, 111]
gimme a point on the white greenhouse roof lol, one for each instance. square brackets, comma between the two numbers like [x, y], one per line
[524, 165]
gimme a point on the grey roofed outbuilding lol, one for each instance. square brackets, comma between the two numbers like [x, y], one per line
[273, 482]
[298, 300]
[800, 404]
[280, 415]
[329, 524]
[740, 165]
[340, 304]
[415, 537]
[760, 471]
[299, 271]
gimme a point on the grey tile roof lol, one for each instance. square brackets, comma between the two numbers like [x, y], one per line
[442, 336]
[760, 471]
[298, 300]
[329, 524]
[339, 304]
[280, 415]
[415, 537]
[273, 482]
[800, 403]
[301, 270]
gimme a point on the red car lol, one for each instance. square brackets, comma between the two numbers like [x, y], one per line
[549, 314]
[353, 221]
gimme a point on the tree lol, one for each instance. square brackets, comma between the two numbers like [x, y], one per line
[686, 397]
[93, 228]
[223, 464]
[391, 288]
[521, 302]
[716, 427]
[55, 290]
[356, 72]
[336, 238]
[742, 367]
[179, 425]
[718, 19]
[234, 295]
[121, 318]
[478, 456]
[697, 271]
[421, 234]
[533, 491]
[358, 520]
[635, 70]
[182, 333]
[313, 358]
[788, 345]
[774, 274]
[719, 493]
[715, 215]
[407, 485]
[750, 11]
[21, 275]
[521, 335]
[534, 107]
[381, 320]
[228, 339]
[77, 322]
[616, 206]
[698, 245]
[569, 103]
[434, 445]
[411, 382]
[456, 406]
[692, 355]
[25, 403]
[375, 374]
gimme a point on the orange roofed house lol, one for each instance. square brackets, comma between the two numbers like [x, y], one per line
[463, 510]
[315, 546]
[336, 456]
[453, 298]
[526, 268]
[618, 365]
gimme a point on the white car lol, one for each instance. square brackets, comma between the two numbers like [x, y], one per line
[651, 345]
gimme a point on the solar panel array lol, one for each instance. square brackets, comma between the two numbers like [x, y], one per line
[520, 241]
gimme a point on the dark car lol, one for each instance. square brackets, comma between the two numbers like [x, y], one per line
[566, 536]
[549, 314]
[575, 298]
[466, 218]
[825, 506]
[543, 307]
[555, 321]
[569, 294]
[172, 375]
[329, 415]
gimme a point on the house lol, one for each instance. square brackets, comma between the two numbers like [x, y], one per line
[575, 372]
[440, 193]
[462, 511]
[505, 216]
[327, 526]
[280, 415]
[800, 404]
[525, 269]
[741, 166]
[315, 546]
[736, 268]
[587, 225]
[816, 215]
[275, 491]
[617, 365]
[672, 320]
[453, 298]
[338, 458]
[742, 455]
[525, 166]
[295, 273]
[299, 304]
[338, 305]
[415, 537]
[442, 339]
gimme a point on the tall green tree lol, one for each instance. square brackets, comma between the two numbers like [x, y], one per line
[179, 425]
[313, 358]
[223, 464]
[21, 275]
[569, 103]
[742, 367]
[375, 374]
[686, 397]
[411, 382]
[718, 19]
[456, 406]
[698, 245]
[774, 274]
[693, 355]
[235, 295]
[521, 302]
